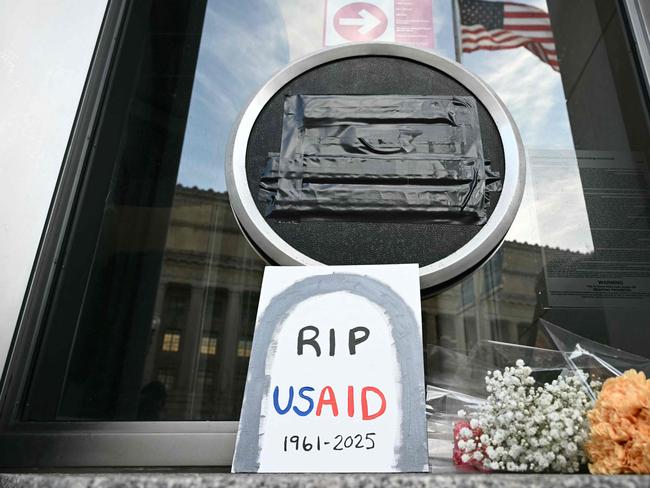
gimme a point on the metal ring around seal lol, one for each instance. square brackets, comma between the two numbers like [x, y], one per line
[441, 271]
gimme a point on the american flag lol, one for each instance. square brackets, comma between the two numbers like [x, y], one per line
[506, 25]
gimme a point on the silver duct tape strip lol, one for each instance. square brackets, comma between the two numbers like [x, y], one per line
[386, 140]
[343, 157]
[317, 168]
[341, 107]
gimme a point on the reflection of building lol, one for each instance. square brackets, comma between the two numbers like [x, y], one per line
[500, 301]
[202, 329]
[205, 309]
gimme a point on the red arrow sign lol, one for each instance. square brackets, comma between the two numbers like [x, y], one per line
[360, 21]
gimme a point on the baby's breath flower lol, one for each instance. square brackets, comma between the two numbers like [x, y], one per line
[465, 433]
[526, 427]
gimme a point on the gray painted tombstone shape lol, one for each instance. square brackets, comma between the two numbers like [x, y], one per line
[411, 452]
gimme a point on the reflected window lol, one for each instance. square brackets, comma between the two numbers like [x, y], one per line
[493, 273]
[467, 288]
[204, 380]
[171, 341]
[209, 345]
[176, 305]
[167, 377]
[471, 333]
[244, 348]
[446, 330]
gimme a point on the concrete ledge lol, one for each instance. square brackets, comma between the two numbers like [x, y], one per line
[169, 480]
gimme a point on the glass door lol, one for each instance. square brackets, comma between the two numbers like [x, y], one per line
[140, 328]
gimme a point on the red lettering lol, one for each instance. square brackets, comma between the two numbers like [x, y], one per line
[350, 401]
[331, 401]
[364, 403]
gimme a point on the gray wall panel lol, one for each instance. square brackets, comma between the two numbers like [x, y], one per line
[45, 51]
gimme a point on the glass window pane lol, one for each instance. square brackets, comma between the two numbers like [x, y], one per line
[153, 308]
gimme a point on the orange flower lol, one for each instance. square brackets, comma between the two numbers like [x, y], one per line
[619, 440]
[638, 456]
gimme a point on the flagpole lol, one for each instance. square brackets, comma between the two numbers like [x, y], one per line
[455, 10]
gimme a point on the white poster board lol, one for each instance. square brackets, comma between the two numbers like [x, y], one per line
[336, 376]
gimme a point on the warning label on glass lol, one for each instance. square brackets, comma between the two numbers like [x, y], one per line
[616, 273]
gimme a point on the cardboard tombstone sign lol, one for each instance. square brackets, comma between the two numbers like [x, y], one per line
[336, 376]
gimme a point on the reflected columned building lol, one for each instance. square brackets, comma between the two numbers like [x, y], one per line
[202, 330]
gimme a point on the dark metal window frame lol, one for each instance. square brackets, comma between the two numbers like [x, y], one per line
[61, 444]
[638, 18]
[136, 443]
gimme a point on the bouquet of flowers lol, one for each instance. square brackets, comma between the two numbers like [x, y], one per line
[548, 411]
[525, 427]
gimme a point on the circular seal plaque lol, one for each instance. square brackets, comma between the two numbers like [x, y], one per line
[376, 153]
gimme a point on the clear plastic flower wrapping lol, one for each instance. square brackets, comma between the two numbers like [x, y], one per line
[456, 381]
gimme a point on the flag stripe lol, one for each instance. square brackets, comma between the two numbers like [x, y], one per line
[513, 42]
[487, 48]
[469, 37]
[505, 40]
[488, 42]
[519, 7]
[545, 23]
[543, 36]
[492, 26]
[496, 34]
[523, 27]
[471, 28]
[525, 15]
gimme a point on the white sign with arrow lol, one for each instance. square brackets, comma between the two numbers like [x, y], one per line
[358, 21]
[404, 21]
[366, 22]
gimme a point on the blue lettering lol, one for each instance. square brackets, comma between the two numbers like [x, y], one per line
[276, 394]
[302, 413]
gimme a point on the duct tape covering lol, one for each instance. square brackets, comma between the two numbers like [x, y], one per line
[376, 153]
[367, 236]
[382, 156]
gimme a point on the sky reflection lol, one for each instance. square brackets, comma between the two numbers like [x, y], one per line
[242, 45]
[245, 42]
